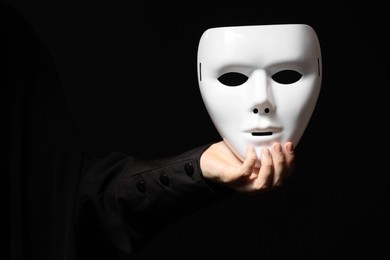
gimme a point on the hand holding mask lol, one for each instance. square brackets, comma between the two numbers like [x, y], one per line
[259, 83]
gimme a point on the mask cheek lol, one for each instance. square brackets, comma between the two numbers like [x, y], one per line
[236, 144]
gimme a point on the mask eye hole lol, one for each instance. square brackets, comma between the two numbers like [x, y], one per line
[233, 79]
[287, 76]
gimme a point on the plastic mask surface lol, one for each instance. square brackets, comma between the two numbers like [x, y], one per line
[259, 83]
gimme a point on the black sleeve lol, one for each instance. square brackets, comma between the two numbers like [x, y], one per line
[124, 201]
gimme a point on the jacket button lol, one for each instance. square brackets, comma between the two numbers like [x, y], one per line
[164, 179]
[141, 186]
[189, 168]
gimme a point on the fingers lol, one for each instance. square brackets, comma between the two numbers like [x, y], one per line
[278, 158]
[249, 162]
[264, 178]
[289, 158]
[276, 165]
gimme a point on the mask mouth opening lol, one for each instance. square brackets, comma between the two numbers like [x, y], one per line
[261, 133]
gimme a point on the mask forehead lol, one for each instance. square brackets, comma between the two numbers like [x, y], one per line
[261, 46]
[260, 109]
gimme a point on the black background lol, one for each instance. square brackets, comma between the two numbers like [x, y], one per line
[129, 74]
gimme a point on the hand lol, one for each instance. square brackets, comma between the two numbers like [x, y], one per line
[220, 165]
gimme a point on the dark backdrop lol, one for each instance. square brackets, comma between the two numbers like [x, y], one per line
[129, 74]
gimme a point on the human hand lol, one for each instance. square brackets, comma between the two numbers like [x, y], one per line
[220, 165]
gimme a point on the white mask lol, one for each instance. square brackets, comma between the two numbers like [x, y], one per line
[259, 83]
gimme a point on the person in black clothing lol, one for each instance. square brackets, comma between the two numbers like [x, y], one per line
[66, 206]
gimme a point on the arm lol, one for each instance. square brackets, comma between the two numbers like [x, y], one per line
[124, 201]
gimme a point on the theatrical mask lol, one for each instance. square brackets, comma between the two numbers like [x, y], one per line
[259, 83]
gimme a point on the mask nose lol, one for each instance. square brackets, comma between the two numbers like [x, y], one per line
[260, 94]
[263, 110]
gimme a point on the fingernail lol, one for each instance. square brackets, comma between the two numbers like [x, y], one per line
[277, 148]
[266, 152]
[290, 147]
